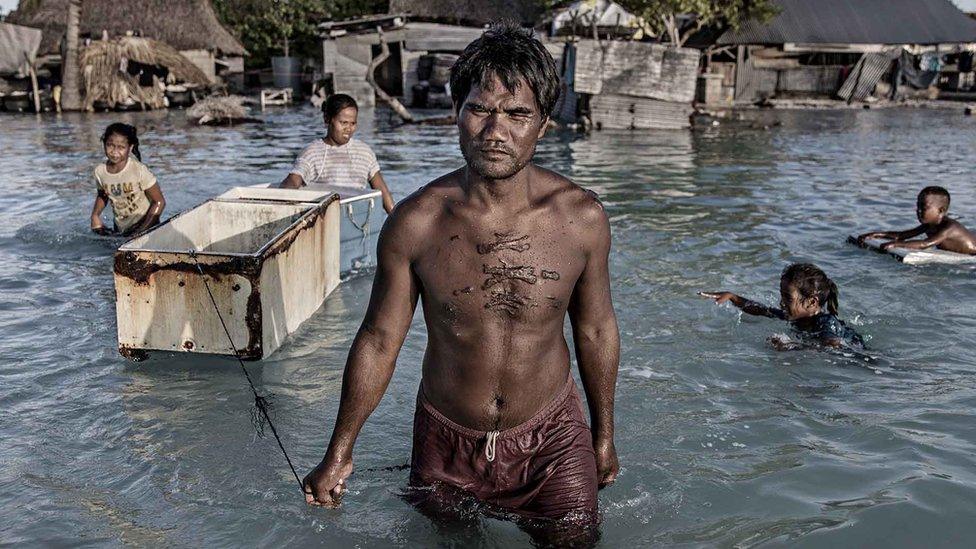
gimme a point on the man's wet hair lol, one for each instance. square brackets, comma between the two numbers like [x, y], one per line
[511, 53]
[336, 103]
[940, 192]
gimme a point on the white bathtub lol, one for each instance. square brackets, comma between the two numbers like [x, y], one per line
[270, 262]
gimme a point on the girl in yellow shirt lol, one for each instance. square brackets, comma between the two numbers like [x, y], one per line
[126, 184]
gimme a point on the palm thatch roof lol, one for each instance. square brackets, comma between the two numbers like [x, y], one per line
[105, 81]
[183, 24]
[469, 12]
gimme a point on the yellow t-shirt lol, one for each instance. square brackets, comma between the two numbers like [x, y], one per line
[126, 191]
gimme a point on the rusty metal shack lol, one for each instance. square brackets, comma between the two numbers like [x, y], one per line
[841, 48]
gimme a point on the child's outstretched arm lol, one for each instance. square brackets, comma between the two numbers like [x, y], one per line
[101, 200]
[892, 235]
[748, 306]
[933, 240]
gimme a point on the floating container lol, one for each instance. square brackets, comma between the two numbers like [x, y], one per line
[362, 216]
[269, 261]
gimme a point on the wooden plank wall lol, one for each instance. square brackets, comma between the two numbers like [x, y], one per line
[819, 80]
[641, 69]
[610, 111]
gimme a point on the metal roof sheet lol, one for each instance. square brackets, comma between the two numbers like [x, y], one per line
[858, 22]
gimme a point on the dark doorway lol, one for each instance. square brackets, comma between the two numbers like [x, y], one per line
[389, 75]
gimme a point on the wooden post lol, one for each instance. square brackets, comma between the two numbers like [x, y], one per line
[740, 69]
[33, 75]
[371, 78]
[70, 92]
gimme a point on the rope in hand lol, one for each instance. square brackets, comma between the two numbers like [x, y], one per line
[260, 402]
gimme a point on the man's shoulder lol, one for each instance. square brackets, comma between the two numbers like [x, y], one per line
[419, 212]
[570, 199]
[433, 196]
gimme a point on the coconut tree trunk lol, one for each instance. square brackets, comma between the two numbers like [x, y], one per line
[70, 93]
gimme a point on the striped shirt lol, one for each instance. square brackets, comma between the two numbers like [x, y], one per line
[349, 165]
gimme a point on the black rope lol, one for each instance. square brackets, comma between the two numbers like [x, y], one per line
[260, 402]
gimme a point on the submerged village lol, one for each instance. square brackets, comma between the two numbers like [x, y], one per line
[640, 65]
[247, 244]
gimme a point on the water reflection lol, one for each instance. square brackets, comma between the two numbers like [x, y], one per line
[723, 441]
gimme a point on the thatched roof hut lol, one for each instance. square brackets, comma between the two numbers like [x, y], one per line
[469, 12]
[105, 80]
[183, 24]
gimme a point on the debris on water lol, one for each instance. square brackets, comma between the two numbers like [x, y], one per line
[220, 110]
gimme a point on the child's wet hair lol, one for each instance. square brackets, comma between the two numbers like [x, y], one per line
[810, 281]
[933, 190]
[126, 131]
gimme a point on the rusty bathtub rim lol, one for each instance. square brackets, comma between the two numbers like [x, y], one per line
[317, 209]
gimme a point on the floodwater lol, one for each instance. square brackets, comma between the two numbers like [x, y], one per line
[723, 441]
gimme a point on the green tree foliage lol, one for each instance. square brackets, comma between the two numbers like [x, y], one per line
[284, 27]
[664, 17]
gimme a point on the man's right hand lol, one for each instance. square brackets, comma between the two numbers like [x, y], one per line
[326, 483]
[101, 230]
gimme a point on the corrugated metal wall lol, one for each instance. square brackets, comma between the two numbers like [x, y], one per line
[865, 76]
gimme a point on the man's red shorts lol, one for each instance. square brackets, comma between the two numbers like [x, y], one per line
[543, 468]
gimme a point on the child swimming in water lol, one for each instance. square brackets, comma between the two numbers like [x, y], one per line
[808, 300]
[942, 231]
[127, 184]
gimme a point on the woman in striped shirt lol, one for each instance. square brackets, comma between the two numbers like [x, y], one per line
[338, 159]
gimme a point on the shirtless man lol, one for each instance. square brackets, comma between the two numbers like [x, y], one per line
[941, 231]
[498, 251]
